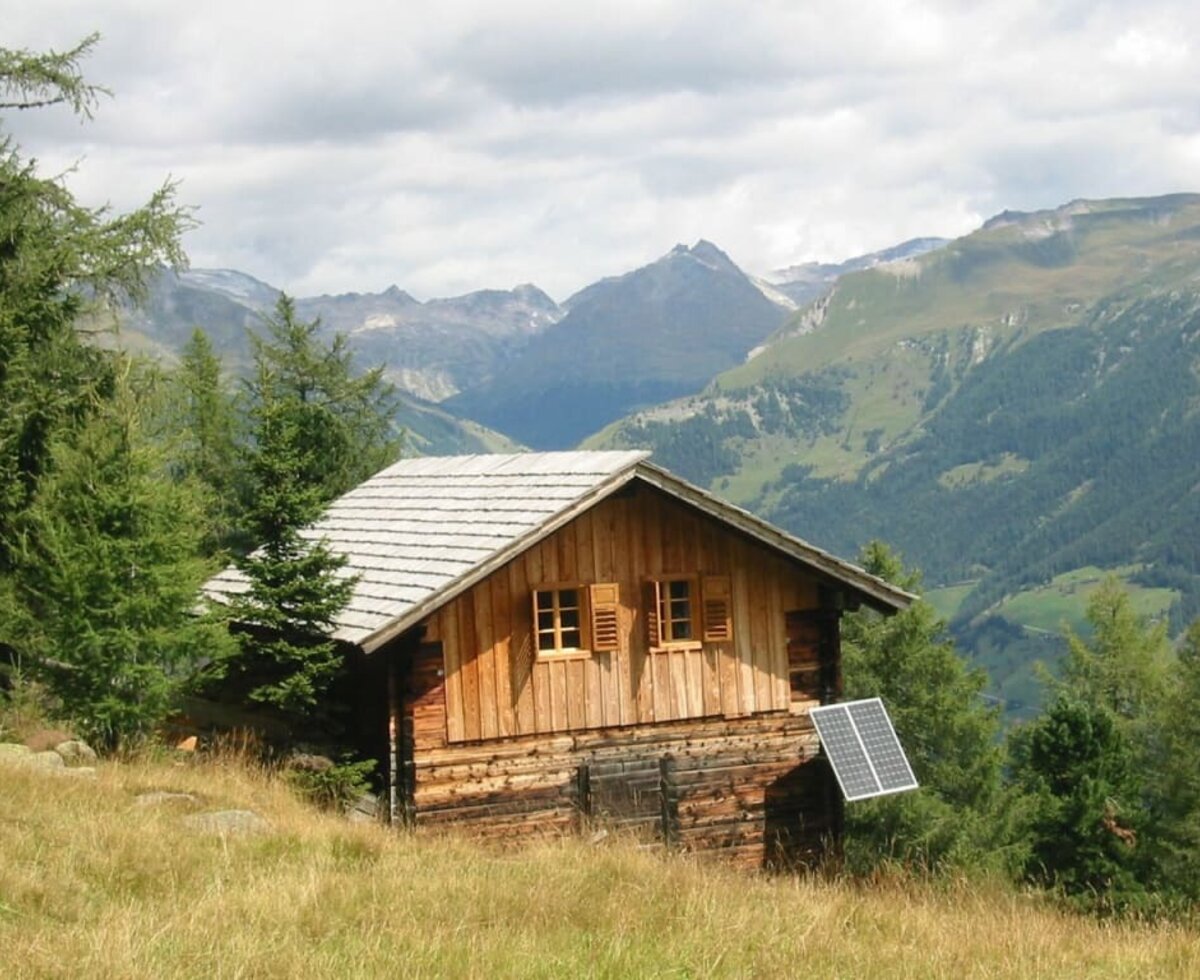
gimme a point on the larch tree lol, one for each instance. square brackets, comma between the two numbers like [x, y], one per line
[107, 570]
[96, 568]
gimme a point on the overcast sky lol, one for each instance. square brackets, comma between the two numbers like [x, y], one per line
[449, 146]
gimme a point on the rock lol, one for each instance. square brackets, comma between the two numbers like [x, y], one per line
[12, 751]
[75, 752]
[364, 809]
[23, 755]
[228, 822]
[163, 797]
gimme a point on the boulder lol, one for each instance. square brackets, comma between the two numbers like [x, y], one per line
[228, 823]
[13, 751]
[364, 809]
[75, 752]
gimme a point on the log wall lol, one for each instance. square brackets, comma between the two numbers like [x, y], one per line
[753, 790]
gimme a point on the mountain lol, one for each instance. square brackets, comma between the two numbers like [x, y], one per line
[438, 348]
[652, 334]
[1015, 411]
[428, 348]
[808, 281]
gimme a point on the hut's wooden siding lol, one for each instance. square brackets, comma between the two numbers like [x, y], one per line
[753, 790]
[496, 687]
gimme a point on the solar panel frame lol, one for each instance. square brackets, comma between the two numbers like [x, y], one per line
[863, 749]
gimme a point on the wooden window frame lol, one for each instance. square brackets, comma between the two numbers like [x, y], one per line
[710, 611]
[598, 610]
[558, 651]
[658, 601]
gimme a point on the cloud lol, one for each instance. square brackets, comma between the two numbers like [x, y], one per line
[448, 147]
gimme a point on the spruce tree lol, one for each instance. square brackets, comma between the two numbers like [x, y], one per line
[207, 427]
[316, 428]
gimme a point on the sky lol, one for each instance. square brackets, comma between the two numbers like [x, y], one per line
[456, 145]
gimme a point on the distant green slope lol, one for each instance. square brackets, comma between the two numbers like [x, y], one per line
[1022, 403]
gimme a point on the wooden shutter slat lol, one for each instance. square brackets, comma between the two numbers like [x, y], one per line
[717, 603]
[603, 600]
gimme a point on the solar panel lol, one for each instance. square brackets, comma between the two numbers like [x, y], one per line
[863, 749]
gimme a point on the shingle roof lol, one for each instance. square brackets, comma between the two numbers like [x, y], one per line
[423, 530]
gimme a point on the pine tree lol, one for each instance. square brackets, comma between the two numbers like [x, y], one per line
[1173, 775]
[345, 419]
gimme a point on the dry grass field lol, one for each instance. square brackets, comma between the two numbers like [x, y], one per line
[93, 886]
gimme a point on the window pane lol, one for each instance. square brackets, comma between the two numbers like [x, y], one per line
[570, 619]
[677, 589]
[546, 621]
[681, 609]
[545, 600]
[570, 638]
[681, 630]
[568, 597]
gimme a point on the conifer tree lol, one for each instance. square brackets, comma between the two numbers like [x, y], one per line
[103, 605]
[1087, 761]
[58, 260]
[317, 428]
[948, 731]
[207, 425]
[1079, 769]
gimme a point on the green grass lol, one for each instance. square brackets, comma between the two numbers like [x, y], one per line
[91, 886]
[946, 600]
[1063, 601]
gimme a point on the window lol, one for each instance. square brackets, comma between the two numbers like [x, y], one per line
[675, 605]
[576, 620]
[558, 620]
[686, 610]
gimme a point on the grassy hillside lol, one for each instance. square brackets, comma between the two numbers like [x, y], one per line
[93, 886]
[1019, 405]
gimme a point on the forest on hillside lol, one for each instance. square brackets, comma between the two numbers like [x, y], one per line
[125, 483]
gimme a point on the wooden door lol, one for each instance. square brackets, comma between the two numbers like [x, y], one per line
[814, 674]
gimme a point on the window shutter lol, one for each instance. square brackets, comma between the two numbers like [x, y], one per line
[652, 602]
[603, 600]
[718, 603]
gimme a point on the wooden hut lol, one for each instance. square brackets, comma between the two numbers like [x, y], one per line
[546, 640]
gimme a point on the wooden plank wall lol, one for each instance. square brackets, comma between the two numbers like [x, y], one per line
[496, 688]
